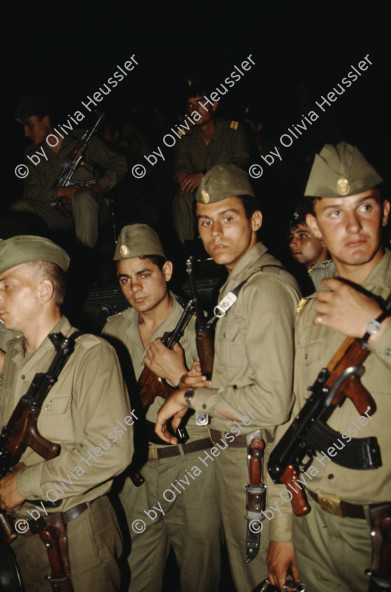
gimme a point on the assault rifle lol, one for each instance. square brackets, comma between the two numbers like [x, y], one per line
[204, 339]
[21, 430]
[75, 160]
[309, 431]
[152, 386]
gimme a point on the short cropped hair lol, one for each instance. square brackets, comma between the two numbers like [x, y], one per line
[156, 259]
[250, 204]
[46, 270]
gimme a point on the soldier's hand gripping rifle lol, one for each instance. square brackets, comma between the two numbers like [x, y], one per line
[152, 386]
[21, 430]
[204, 339]
[309, 431]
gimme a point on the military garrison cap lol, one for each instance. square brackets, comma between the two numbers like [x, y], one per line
[138, 240]
[339, 171]
[222, 181]
[25, 248]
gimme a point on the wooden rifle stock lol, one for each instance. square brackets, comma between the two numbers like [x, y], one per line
[204, 339]
[298, 500]
[152, 386]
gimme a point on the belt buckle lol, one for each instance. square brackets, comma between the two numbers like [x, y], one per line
[331, 504]
[152, 452]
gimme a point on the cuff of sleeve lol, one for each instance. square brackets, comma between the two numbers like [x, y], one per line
[28, 482]
[205, 400]
[280, 529]
[383, 344]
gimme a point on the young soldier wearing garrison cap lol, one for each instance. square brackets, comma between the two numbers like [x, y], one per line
[332, 543]
[253, 363]
[80, 413]
[189, 521]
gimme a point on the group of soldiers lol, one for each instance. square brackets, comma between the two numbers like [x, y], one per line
[268, 349]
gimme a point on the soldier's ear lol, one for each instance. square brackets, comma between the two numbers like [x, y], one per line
[167, 270]
[256, 220]
[312, 224]
[386, 212]
[45, 290]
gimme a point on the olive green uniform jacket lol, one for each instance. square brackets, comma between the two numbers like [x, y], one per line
[82, 412]
[252, 378]
[40, 183]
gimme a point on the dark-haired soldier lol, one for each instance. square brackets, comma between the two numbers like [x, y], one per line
[81, 414]
[253, 364]
[187, 518]
[332, 543]
[307, 249]
[209, 141]
[83, 204]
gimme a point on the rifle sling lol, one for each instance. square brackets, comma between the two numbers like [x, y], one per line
[220, 310]
[360, 453]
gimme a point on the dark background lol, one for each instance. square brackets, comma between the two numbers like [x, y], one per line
[67, 50]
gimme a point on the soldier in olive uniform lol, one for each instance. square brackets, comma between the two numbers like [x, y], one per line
[189, 519]
[83, 206]
[253, 364]
[210, 141]
[81, 413]
[333, 542]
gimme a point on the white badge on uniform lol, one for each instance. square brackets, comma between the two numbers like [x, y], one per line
[220, 310]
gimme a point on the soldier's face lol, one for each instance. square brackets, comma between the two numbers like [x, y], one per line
[143, 284]
[36, 129]
[225, 230]
[351, 228]
[204, 109]
[305, 247]
[19, 297]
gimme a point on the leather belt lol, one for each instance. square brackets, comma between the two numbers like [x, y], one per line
[239, 442]
[155, 453]
[35, 526]
[333, 505]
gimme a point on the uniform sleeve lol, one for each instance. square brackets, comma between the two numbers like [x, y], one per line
[114, 164]
[39, 184]
[266, 346]
[183, 158]
[105, 448]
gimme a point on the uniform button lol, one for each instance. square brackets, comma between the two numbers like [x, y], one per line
[203, 406]
[388, 351]
[23, 377]
[331, 476]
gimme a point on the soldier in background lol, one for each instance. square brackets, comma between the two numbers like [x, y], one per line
[83, 206]
[307, 249]
[210, 141]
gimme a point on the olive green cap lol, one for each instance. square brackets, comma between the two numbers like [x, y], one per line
[25, 248]
[340, 171]
[138, 240]
[222, 181]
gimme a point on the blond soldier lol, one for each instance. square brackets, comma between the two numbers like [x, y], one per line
[332, 543]
[176, 503]
[81, 413]
[253, 365]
